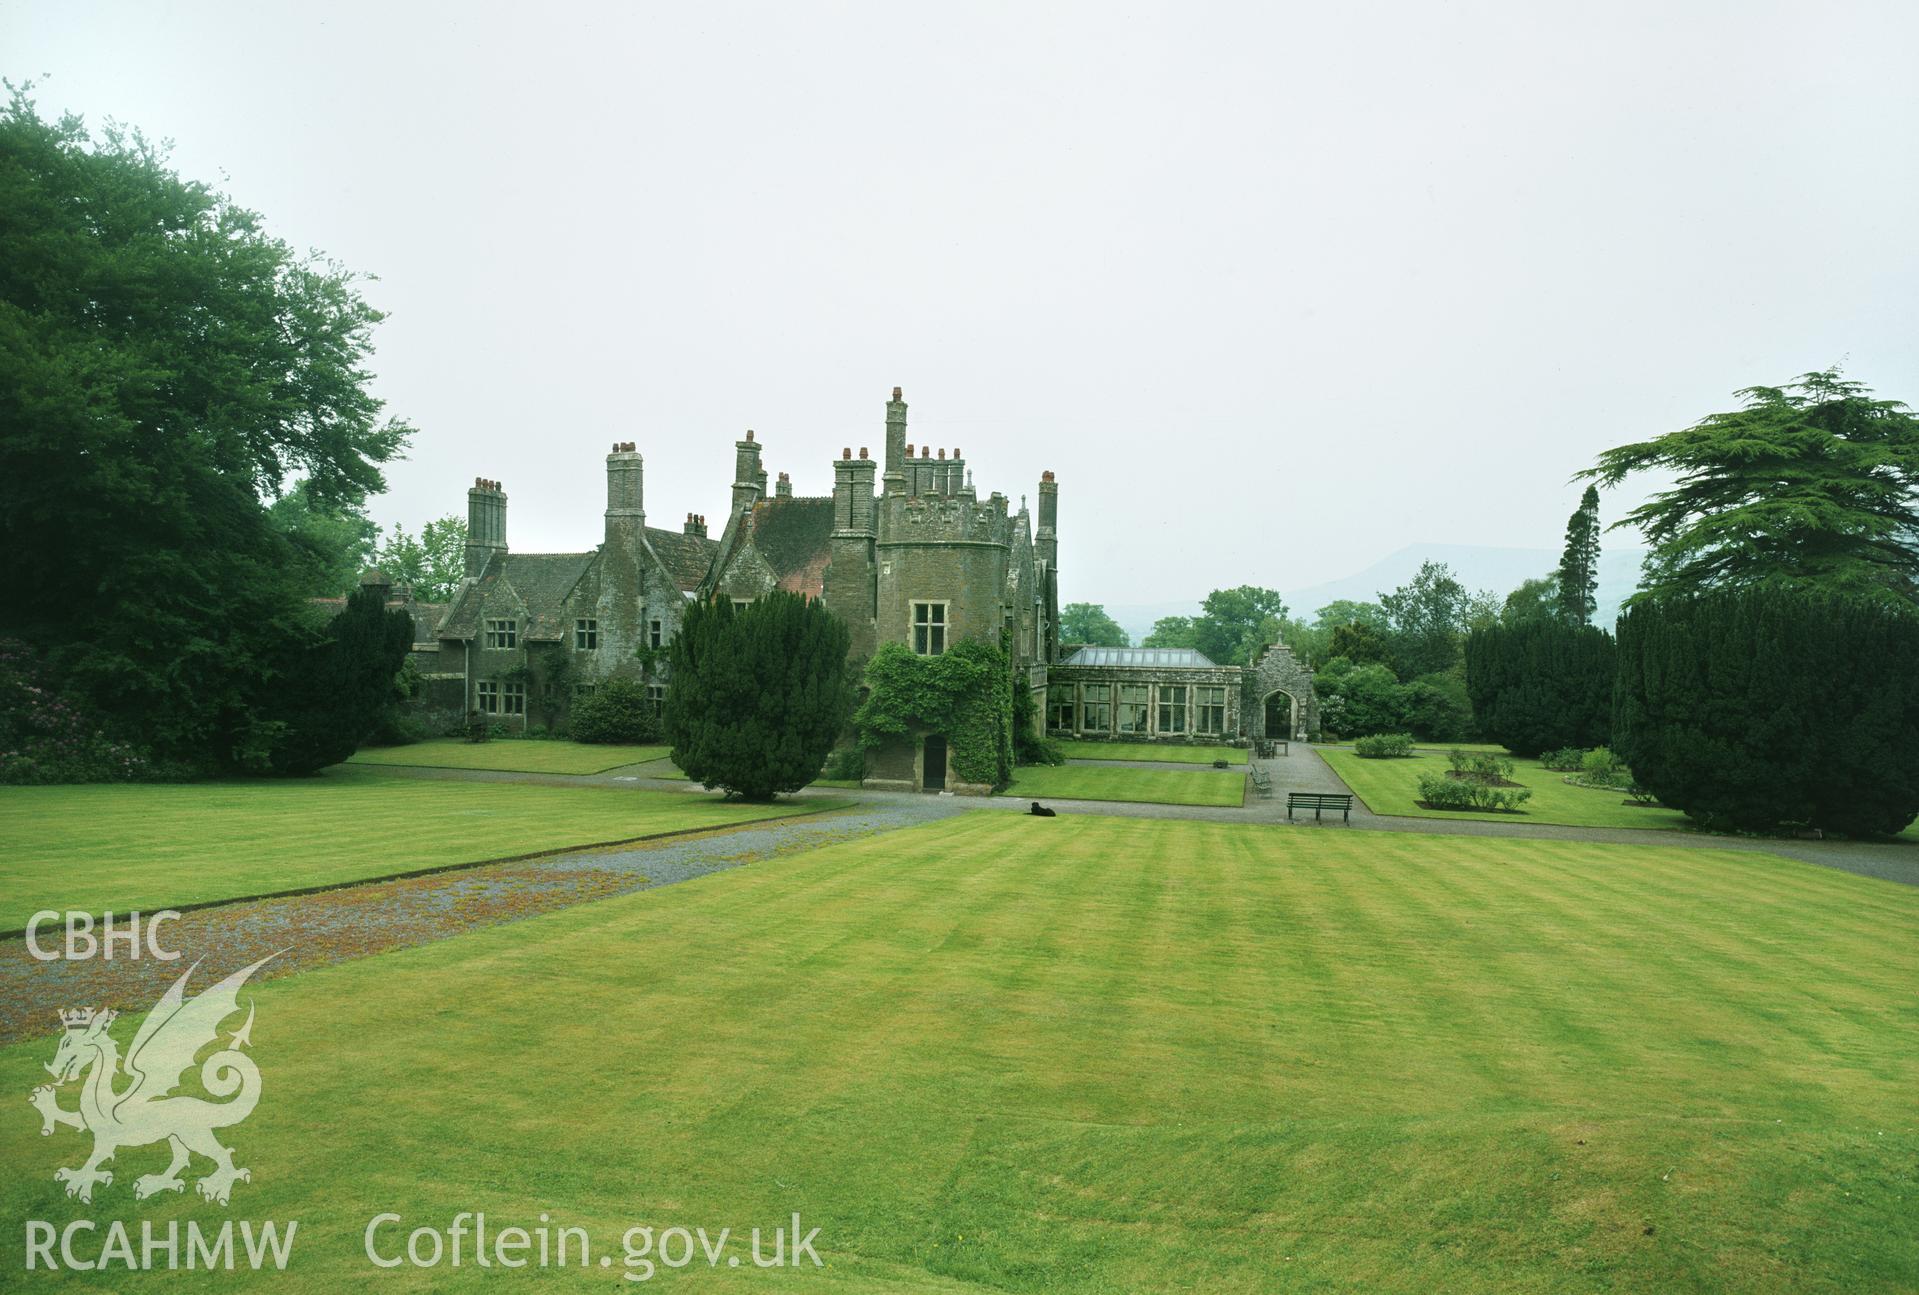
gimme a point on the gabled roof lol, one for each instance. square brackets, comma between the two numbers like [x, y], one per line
[791, 534]
[1138, 657]
[541, 581]
[685, 557]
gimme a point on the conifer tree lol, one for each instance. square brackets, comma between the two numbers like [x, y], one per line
[757, 696]
[334, 689]
[1541, 685]
[1578, 575]
[1765, 708]
[1811, 486]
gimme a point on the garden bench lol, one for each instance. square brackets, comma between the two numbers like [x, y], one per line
[1262, 781]
[1318, 802]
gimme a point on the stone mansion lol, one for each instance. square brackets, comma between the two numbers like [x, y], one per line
[903, 550]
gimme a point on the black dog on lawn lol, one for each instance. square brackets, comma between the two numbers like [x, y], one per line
[1040, 811]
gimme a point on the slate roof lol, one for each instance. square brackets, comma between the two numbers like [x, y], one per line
[1138, 657]
[791, 535]
[426, 616]
[686, 557]
[541, 581]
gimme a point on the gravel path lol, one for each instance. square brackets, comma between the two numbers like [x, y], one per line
[337, 925]
[1305, 770]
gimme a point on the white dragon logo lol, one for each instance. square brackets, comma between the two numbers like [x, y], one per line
[142, 1113]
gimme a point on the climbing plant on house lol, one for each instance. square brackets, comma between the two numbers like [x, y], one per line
[965, 693]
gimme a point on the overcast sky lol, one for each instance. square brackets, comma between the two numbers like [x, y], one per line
[1275, 289]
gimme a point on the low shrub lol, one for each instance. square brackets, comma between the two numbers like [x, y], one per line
[1566, 759]
[396, 728]
[1486, 768]
[1383, 746]
[617, 711]
[1601, 768]
[1039, 750]
[848, 764]
[1442, 791]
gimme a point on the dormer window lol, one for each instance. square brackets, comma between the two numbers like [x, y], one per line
[502, 633]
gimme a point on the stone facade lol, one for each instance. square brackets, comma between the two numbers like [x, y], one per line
[903, 551]
[528, 632]
[910, 556]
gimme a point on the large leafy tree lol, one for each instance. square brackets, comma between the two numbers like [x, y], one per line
[1578, 574]
[1773, 707]
[333, 546]
[166, 367]
[433, 562]
[1534, 600]
[757, 696]
[1427, 616]
[1234, 624]
[1171, 632]
[1813, 486]
[1089, 623]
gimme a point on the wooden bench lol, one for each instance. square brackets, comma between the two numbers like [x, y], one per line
[1262, 781]
[1318, 802]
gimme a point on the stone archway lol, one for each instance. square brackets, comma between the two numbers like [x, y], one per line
[1281, 714]
[1278, 672]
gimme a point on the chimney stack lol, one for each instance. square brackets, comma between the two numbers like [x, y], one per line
[749, 481]
[695, 525]
[625, 494]
[485, 525]
[784, 487]
[896, 448]
[853, 511]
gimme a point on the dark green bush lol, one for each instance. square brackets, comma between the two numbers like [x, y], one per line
[46, 738]
[1541, 684]
[758, 696]
[615, 711]
[1567, 759]
[336, 688]
[1767, 708]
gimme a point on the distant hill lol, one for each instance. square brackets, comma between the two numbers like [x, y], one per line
[1476, 566]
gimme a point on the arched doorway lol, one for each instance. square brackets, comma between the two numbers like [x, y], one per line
[1282, 715]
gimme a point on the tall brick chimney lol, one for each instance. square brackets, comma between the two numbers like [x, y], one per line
[895, 482]
[1046, 538]
[485, 525]
[625, 492]
[749, 481]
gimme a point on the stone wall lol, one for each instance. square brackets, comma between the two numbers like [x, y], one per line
[1280, 671]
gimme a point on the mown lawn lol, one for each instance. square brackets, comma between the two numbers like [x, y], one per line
[1118, 782]
[510, 755]
[1152, 751]
[1088, 1055]
[1392, 787]
[146, 847]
